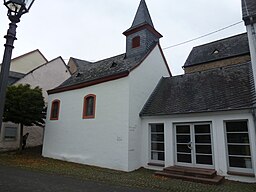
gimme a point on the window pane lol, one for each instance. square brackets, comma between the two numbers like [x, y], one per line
[183, 129]
[157, 156]
[184, 158]
[183, 148]
[89, 106]
[204, 159]
[241, 162]
[203, 138]
[204, 149]
[239, 150]
[238, 137]
[157, 128]
[10, 132]
[55, 109]
[157, 137]
[183, 138]
[237, 126]
[202, 128]
[157, 146]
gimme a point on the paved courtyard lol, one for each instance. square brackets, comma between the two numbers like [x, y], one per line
[20, 180]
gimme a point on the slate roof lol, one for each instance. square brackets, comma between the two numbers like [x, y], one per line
[88, 71]
[14, 76]
[229, 88]
[249, 10]
[142, 15]
[221, 49]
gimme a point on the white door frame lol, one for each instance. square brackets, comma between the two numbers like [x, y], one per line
[193, 145]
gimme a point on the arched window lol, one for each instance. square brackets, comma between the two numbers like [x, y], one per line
[55, 110]
[89, 106]
[136, 42]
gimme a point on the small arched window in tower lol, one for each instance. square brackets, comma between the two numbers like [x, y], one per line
[136, 42]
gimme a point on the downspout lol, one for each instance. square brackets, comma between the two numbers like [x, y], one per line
[253, 31]
[254, 115]
[251, 23]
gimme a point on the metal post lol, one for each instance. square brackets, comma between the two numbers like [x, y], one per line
[5, 68]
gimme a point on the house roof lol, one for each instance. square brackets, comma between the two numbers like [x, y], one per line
[249, 11]
[57, 58]
[81, 65]
[222, 49]
[31, 52]
[101, 71]
[14, 76]
[218, 89]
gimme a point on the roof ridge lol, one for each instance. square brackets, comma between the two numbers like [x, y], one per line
[80, 59]
[98, 60]
[226, 38]
[110, 58]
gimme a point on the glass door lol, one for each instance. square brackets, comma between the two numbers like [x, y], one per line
[183, 144]
[194, 145]
[203, 144]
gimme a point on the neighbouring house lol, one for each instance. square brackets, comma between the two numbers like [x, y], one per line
[128, 111]
[43, 74]
[221, 53]
[27, 62]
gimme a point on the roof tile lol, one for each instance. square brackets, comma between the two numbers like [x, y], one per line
[221, 49]
[218, 89]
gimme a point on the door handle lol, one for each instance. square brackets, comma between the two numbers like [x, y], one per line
[189, 145]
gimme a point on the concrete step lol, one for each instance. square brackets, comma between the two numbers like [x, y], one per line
[213, 181]
[190, 171]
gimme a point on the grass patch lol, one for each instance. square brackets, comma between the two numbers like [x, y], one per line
[31, 159]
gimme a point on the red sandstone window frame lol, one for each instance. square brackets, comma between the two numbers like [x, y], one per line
[85, 115]
[52, 116]
[136, 42]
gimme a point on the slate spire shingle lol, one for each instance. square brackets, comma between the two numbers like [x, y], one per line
[142, 34]
[142, 16]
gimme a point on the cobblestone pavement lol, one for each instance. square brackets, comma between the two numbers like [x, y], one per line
[18, 180]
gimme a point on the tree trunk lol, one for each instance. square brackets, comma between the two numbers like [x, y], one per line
[21, 137]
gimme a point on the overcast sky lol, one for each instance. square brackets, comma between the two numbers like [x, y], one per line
[92, 29]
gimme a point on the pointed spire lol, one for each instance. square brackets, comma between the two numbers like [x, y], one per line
[142, 16]
[142, 34]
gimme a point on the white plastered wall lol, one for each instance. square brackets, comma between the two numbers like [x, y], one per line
[143, 81]
[35, 137]
[102, 141]
[27, 62]
[218, 134]
[47, 76]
